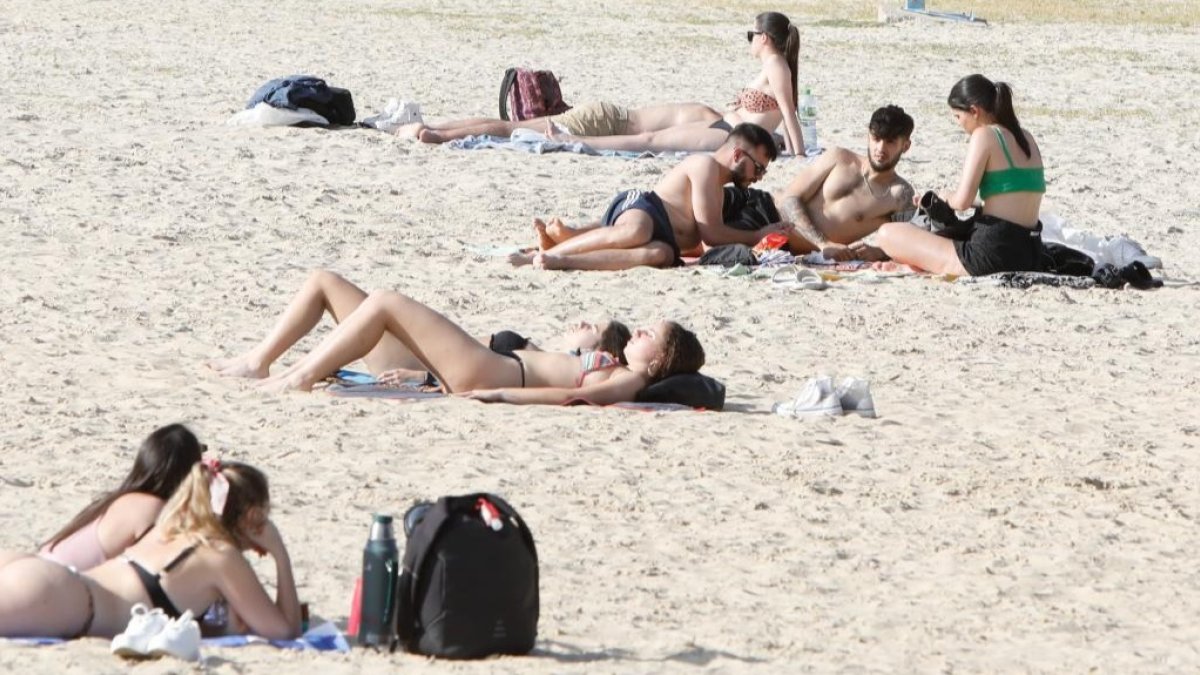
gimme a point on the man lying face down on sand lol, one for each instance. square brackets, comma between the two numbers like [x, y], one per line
[843, 196]
[651, 228]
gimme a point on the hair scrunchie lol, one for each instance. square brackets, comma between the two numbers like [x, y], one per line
[218, 484]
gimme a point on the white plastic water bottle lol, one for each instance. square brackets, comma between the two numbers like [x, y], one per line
[806, 112]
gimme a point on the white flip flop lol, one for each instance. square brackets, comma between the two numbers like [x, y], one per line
[799, 278]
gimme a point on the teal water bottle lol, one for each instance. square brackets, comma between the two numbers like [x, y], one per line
[381, 562]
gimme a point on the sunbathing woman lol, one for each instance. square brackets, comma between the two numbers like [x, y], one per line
[120, 517]
[462, 364]
[769, 100]
[1004, 235]
[192, 558]
[390, 360]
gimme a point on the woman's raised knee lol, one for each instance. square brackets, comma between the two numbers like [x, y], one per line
[321, 276]
[888, 234]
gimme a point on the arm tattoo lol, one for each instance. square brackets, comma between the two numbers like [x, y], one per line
[906, 211]
[793, 210]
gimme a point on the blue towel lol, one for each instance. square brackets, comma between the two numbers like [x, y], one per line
[323, 638]
[530, 141]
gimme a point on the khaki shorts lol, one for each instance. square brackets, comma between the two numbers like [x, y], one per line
[594, 119]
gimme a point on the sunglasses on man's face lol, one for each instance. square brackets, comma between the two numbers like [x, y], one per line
[760, 169]
[751, 33]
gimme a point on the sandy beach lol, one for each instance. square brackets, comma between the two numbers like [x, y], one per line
[1026, 502]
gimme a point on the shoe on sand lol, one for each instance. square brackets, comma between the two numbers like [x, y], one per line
[800, 278]
[179, 638]
[816, 399]
[144, 624]
[855, 397]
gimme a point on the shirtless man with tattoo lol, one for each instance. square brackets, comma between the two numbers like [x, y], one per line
[843, 196]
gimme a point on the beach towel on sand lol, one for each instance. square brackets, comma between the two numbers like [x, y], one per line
[353, 384]
[530, 141]
[323, 638]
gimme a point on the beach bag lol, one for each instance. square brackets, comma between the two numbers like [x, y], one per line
[748, 208]
[525, 94]
[468, 587]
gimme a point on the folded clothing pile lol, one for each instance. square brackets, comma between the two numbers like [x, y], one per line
[310, 100]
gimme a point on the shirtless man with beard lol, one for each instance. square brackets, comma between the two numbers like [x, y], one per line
[652, 228]
[843, 196]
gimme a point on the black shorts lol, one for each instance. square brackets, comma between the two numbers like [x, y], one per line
[988, 244]
[653, 206]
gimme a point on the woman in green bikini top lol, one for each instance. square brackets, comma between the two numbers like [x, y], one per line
[1004, 234]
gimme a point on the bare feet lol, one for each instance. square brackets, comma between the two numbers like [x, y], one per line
[428, 135]
[559, 231]
[542, 261]
[281, 384]
[520, 259]
[545, 241]
[410, 131]
[241, 366]
[891, 266]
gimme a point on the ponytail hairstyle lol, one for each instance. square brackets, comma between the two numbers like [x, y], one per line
[163, 461]
[786, 39]
[225, 501]
[681, 354]
[995, 98]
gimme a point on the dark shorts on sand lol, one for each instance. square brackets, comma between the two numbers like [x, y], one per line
[650, 203]
[989, 244]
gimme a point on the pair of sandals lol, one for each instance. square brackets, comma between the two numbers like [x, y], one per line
[798, 278]
[1136, 274]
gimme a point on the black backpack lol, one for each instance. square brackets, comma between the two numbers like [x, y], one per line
[469, 584]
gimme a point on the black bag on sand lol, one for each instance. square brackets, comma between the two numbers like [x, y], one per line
[469, 585]
[943, 220]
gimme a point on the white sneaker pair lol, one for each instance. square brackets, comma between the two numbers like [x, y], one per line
[820, 398]
[150, 634]
[394, 115]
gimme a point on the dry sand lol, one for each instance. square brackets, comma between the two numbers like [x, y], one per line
[1027, 501]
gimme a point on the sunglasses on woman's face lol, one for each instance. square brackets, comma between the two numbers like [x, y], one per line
[751, 33]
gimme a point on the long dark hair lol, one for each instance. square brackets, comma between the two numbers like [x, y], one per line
[682, 353]
[613, 339]
[163, 461]
[996, 98]
[786, 39]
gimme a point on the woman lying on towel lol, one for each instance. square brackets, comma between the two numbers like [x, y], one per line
[119, 518]
[391, 360]
[191, 559]
[1004, 165]
[460, 362]
[769, 100]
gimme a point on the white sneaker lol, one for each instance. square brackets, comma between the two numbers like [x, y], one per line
[144, 624]
[855, 397]
[816, 399]
[179, 638]
[394, 115]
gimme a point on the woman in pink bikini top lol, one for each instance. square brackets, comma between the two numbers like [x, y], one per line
[120, 517]
[769, 101]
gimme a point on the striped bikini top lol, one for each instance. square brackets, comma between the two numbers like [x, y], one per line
[755, 101]
[590, 362]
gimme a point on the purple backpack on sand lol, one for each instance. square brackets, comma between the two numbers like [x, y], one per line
[525, 94]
